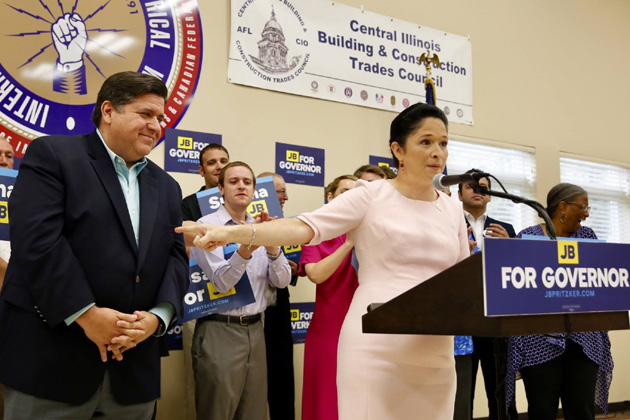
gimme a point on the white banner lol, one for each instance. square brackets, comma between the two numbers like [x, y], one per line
[331, 51]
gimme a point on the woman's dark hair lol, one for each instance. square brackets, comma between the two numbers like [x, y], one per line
[563, 192]
[410, 120]
[231, 165]
[125, 87]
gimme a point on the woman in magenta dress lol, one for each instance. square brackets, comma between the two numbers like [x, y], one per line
[329, 266]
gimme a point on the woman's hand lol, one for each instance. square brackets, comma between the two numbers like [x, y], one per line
[207, 237]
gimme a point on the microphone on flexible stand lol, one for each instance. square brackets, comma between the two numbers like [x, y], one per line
[441, 181]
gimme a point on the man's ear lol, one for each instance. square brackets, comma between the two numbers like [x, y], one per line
[107, 109]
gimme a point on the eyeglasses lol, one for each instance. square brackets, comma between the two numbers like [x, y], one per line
[583, 207]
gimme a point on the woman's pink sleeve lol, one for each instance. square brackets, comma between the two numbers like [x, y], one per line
[339, 216]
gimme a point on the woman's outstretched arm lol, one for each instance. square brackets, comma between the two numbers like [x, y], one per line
[275, 233]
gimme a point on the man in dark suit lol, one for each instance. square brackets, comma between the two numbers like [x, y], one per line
[482, 226]
[278, 338]
[212, 159]
[97, 271]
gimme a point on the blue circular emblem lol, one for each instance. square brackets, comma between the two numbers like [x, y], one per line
[60, 52]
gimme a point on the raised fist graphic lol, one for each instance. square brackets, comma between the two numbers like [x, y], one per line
[70, 38]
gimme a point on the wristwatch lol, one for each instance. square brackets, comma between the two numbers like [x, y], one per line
[275, 257]
[161, 329]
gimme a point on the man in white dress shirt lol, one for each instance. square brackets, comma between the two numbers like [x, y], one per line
[228, 348]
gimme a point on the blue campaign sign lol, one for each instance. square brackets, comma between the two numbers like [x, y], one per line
[526, 277]
[383, 161]
[301, 315]
[203, 299]
[209, 200]
[293, 253]
[182, 147]
[300, 164]
[7, 180]
[174, 338]
[265, 199]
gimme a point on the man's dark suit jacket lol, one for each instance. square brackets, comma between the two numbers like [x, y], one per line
[190, 207]
[73, 244]
[508, 227]
[484, 350]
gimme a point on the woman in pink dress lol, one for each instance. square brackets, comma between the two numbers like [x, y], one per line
[329, 266]
[404, 232]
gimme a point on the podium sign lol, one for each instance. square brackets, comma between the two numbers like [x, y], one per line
[526, 277]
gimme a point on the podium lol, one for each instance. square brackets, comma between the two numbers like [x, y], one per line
[452, 303]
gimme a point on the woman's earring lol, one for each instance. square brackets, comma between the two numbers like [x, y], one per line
[402, 165]
[563, 218]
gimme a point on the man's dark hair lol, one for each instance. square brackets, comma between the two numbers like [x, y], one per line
[389, 173]
[231, 165]
[371, 169]
[212, 146]
[125, 87]
[409, 120]
[470, 171]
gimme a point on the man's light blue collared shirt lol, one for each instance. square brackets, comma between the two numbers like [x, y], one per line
[128, 178]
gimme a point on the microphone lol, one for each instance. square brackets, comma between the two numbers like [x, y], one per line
[441, 181]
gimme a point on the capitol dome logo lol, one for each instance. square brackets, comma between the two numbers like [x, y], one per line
[272, 51]
[276, 49]
[57, 53]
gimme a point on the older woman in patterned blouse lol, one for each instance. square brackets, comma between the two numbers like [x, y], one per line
[576, 369]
